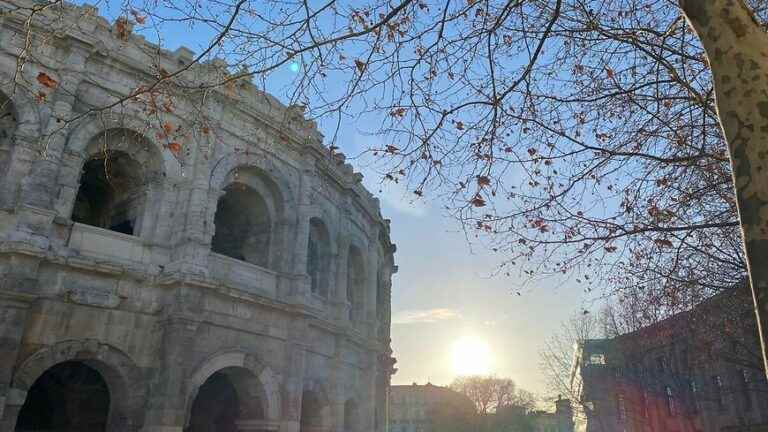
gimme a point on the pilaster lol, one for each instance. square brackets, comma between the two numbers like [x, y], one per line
[13, 315]
[167, 404]
[294, 374]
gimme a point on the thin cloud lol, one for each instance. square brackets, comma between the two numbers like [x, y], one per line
[425, 316]
[398, 198]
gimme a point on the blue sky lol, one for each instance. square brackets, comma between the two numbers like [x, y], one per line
[443, 291]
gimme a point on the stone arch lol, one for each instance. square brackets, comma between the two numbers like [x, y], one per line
[224, 167]
[265, 227]
[119, 170]
[315, 407]
[70, 396]
[81, 138]
[319, 257]
[124, 379]
[243, 368]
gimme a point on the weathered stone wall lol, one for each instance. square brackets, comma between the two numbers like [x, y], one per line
[155, 312]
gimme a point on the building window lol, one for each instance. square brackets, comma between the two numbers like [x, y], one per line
[718, 392]
[684, 361]
[621, 408]
[661, 364]
[596, 359]
[695, 397]
[671, 408]
[745, 395]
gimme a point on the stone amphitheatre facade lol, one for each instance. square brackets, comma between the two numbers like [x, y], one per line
[237, 279]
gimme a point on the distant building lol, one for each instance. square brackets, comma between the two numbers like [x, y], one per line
[518, 418]
[698, 371]
[422, 408]
[559, 421]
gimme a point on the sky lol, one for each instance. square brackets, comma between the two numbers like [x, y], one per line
[443, 291]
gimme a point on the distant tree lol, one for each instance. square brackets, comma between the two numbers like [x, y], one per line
[490, 393]
[451, 417]
[556, 356]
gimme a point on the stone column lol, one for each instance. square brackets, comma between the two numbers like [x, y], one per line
[24, 153]
[194, 204]
[166, 407]
[13, 316]
[336, 382]
[39, 188]
[737, 50]
[192, 238]
[371, 278]
[294, 374]
[368, 406]
[299, 249]
[341, 277]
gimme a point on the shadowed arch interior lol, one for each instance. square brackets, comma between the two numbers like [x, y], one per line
[311, 412]
[351, 416]
[111, 193]
[243, 225]
[69, 397]
[318, 257]
[228, 398]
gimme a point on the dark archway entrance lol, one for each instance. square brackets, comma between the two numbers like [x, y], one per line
[311, 412]
[229, 400]
[69, 397]
[243, 225]
[111, 193]
[351, 417]
[216, 407]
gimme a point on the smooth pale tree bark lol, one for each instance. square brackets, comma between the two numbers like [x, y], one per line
[737, 50]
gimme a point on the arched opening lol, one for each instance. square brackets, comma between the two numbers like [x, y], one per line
[351, 417]
[318, 257]
[243, 225]
[355, 283]
[7, 128]
[69, 397]
[311, 412]
[228, 400]
[111, 193]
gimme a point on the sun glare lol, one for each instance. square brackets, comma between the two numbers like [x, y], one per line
[471, 357]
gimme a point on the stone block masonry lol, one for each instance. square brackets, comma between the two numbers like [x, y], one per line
[210, 266]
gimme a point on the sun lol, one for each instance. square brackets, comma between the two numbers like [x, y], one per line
[471, 356]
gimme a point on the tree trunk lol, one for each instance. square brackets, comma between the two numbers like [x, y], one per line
[737, 49]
